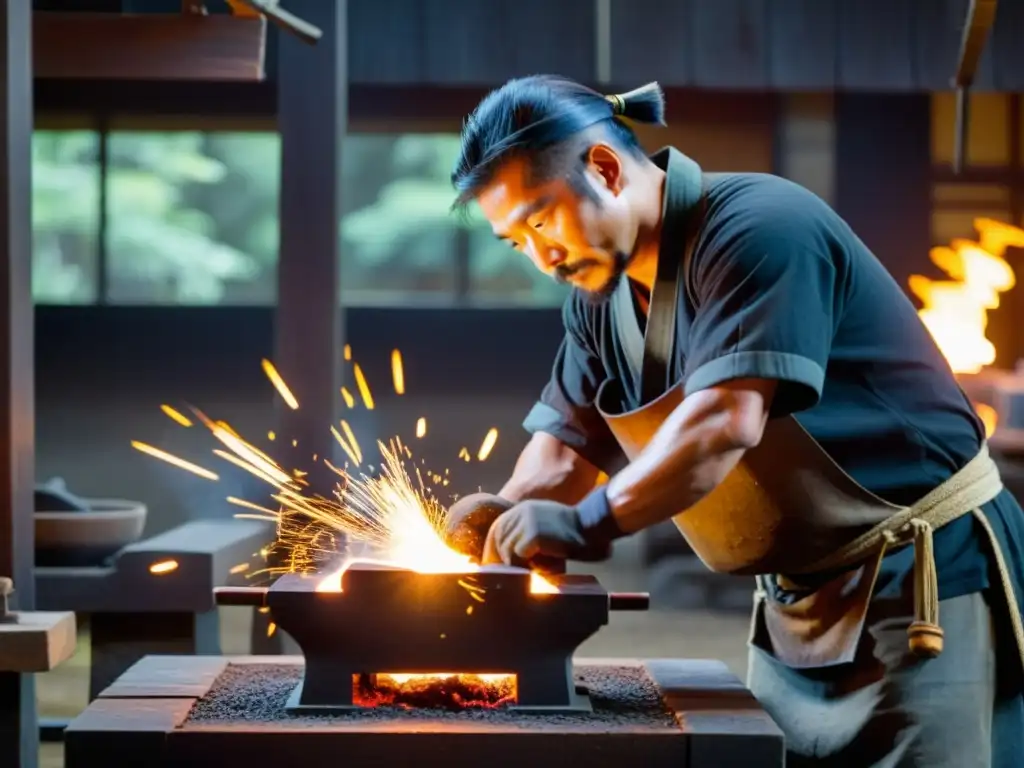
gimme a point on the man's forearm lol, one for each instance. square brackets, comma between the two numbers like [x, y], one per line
[692, 452]
[549, 469]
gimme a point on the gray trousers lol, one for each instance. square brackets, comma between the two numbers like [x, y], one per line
[887, 708]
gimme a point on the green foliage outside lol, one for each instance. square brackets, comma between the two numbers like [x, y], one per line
[192, 219]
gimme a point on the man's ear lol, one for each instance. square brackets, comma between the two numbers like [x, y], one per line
[605, 163]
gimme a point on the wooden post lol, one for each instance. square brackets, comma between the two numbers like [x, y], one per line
[19, 737]
[312, 88]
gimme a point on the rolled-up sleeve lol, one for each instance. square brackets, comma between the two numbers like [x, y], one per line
[766, 309]
[566, 408]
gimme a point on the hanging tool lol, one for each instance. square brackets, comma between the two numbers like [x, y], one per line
[272, 10]
[980, 15]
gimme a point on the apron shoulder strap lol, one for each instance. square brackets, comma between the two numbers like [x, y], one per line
[659, 337]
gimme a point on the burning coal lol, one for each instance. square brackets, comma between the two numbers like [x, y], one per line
[444, 690]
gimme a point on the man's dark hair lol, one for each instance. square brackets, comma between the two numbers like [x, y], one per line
[544, 117]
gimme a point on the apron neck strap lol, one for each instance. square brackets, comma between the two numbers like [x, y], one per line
[681, 217]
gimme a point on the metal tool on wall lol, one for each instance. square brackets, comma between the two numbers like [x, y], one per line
[980, 16]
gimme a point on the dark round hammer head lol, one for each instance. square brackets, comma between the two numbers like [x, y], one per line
[469, 519]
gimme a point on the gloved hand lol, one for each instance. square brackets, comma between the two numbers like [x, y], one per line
[547, 529]
[469, 519]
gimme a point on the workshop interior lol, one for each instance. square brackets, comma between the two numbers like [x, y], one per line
[251, 356]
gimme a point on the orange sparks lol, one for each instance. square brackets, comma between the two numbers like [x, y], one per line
[271, 629]
[989, 417]
[348, 352]
[176, 416]
[347, 397]
[240, 568]
[349, 450]
[488, 444]
[163, 566]
[172, 459]
[350, 436]
[464, 454]
[421, 427]
[249, 505]
[364, 390]
[271, 436]
[279, 385]
[397, 372]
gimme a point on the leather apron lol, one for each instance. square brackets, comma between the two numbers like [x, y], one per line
[787, 504]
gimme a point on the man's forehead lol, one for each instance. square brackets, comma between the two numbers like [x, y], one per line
[509, 198]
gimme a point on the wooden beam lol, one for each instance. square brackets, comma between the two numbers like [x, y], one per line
[312, 95]
[19, 735]
[109, 46]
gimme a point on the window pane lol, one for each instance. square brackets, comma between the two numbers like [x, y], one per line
[192, 217]
[398, 237]
[501, 276]
[65, 216]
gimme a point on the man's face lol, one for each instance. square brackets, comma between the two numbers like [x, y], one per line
[576, 238]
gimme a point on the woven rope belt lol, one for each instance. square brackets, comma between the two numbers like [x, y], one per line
[964, 493]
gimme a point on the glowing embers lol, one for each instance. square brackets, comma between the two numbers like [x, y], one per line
[440, 690]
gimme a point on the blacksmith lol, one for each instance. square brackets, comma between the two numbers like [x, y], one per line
[737, 360]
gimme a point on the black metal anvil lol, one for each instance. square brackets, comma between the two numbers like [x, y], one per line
[388, 620]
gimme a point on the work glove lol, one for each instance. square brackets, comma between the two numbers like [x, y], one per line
[468, 520]
[545, 530]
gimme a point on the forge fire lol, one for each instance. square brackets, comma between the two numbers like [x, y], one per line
[443, 690]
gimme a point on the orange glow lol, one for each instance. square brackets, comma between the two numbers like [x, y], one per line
[361, 385]
[175, 415]
[955, 311]
[279, 385]
[450, 690]
[447, 561]
[988, 417]
[488, 444]
[163, 567]
[195, 469]
[397, 372]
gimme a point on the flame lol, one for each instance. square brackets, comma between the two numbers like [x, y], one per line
[955, 311]
[397, 372]
[279, 385]
[163, 566]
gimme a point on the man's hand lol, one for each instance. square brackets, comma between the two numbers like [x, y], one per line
[469, 519]
[546, 529]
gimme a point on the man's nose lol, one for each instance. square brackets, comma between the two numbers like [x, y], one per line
[547, 256]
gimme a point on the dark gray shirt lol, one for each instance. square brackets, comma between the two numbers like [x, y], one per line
[782, 289]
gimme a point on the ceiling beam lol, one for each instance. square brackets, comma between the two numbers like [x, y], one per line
[109, 46]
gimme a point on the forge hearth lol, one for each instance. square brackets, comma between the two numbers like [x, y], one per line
[208, 712]
[485, 639]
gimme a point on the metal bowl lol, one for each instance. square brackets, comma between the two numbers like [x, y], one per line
[90, 537]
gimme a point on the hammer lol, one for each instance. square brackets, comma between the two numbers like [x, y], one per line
[6, 588]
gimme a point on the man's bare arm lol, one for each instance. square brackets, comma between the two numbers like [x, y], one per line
[549, 469]
[700, 442]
